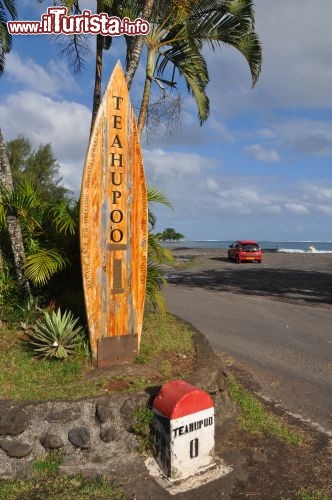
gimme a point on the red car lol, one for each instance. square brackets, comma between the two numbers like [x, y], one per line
[245, 250]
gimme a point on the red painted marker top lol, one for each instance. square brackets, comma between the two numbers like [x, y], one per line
[178, 398]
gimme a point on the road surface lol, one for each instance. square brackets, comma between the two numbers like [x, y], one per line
[286, 347]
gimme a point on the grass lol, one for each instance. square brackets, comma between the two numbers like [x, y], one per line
[46, 483]
[141, 427]
[23, 376]
[164, 333]
[305, 494]
[254, 418]
[312, 495]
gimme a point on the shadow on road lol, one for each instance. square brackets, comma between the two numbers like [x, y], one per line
[309, 286]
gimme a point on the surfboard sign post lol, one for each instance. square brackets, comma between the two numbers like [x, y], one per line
[114, 228]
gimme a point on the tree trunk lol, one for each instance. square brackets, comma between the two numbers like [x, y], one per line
[1, 262]
[98, 71]
[13, 223]
[143, 112]
[134, 57]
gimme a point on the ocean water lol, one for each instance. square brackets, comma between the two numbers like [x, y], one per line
[280, 246]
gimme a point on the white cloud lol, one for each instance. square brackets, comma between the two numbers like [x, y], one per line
[296, 68]
[44, 120]
[30, 75]
[211, 184]
[324, 209]
[261, 154]
[174, 167]
[297, 208]
[317, 193]
[266, 133]
[306, 136]
[195, 187]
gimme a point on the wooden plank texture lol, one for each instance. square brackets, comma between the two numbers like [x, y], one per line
[114, 223]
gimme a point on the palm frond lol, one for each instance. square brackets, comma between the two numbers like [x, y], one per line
[154, 195]
[155, 280]
[3, 222]
[158, 253]
[251, 48]
[186, 57]
[63, 218]
[42, 265]
[11, 8]
[25, 201]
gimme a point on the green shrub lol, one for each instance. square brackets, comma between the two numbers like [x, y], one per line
[56, 336]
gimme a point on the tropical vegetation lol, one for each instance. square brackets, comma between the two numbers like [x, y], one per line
[56, 336]
[180, 31]
[7, 11]
[39, 248]
[169, 234]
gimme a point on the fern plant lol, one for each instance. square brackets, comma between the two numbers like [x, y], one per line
[56, 336]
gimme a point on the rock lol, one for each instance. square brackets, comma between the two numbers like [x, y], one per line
[6, 470]
[258, 455]
[16, 449]
[52, 441]
[104, 410]
[80, 437]
[64, 416]
[131, 404]
[13, 421]
[107, 434]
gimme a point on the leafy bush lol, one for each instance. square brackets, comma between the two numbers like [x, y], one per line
[56, 336]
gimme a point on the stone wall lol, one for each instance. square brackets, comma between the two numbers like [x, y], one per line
[93, 434]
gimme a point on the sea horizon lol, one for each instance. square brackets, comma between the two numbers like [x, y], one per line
[310, 246]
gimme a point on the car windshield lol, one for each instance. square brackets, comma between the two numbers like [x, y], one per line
[250, 247]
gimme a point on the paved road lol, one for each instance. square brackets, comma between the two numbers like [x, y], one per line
[286, 347]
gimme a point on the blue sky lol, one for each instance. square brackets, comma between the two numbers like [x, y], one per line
[260, 167]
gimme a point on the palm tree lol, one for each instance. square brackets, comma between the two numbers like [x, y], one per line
[129, 9]
[43, 223]
[76, 49]
[7, 8]
[134, 48]
[178, 37]
[11, 219]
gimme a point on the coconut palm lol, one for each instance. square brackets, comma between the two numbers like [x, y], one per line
[130, 9]
[7, 9]
[43, 226]
[10, 219]
[177, 38]
[76, 47]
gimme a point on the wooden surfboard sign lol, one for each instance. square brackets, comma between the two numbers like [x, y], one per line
[114, 228]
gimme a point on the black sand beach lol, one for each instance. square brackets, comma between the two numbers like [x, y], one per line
[300, 277]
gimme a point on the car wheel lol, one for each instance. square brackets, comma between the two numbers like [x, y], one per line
[259, 261]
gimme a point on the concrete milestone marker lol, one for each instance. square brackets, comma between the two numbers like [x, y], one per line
[183, 430]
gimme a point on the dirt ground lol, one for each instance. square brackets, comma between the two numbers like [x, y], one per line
[277, 470]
